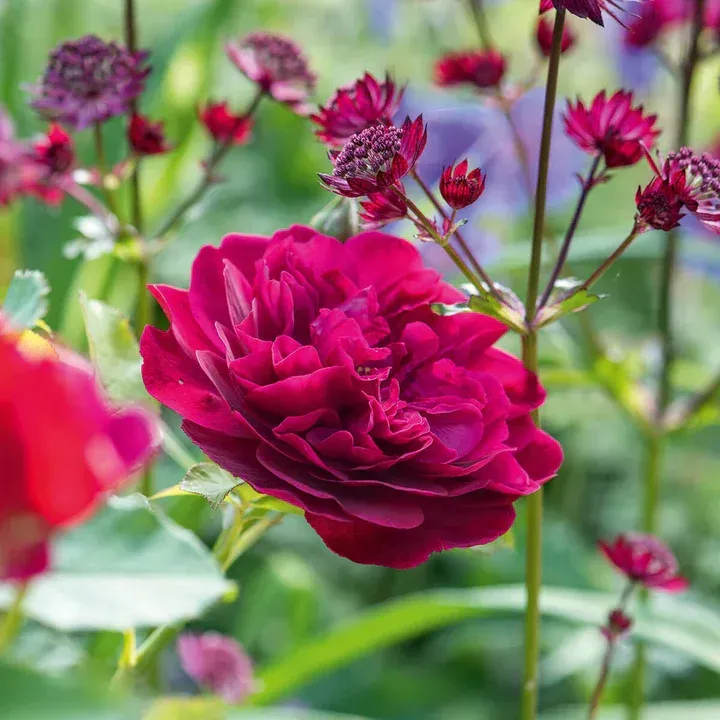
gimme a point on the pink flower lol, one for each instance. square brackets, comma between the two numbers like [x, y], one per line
[611, 127]
[277, 65]
[590, 9]
[224, 126]
[376, 158]
[217, 663]
[318, 372]
[355, 107]
[380, 209]
[544, 33]
[63, 449]
[19, 170]
[480, 68]
[645, 560]
[146, 137]
[686, 181]
[460, 188]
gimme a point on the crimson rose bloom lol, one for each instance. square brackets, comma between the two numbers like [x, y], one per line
[317, 372]
[62, 448]
[645, 560]
[611, 126]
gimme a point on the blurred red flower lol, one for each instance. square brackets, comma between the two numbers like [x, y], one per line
[319, 373]
[223, 125]
[62, 449]
[646, 560]
[146, 137]
[544, 33]
[480, 68]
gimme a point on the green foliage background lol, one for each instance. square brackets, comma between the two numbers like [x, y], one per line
[291, 588]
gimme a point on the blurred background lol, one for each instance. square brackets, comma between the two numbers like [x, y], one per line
[292, 587]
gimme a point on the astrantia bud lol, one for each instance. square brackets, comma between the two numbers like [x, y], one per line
[480, 68]
[146, 137]
[56, 150]
[383, 208]
[224, 126]
[544, 34]
[618, 624]
[459, 187]
[646, 560]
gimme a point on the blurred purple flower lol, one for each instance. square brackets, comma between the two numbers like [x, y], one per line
[89, 81]
[217, 663]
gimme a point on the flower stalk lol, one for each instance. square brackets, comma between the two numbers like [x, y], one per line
[654, 444]
[13, 619]
[533, 562]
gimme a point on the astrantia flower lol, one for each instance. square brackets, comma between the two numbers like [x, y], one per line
[355, 107]
[89, 81]
[380, 209]
[56, 150]
[217, 663]
[318, 372]
[480, 68]
[590, 9]
[685, 181]
[544, 33]
[223, 125]
[459, 187]
[618, 624]
[146, 137]
[277, 65]
[611, 127]
[19, 170]
[376, 158]
[645, 560]
[63, 450]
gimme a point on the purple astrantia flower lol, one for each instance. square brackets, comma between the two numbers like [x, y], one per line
[217, 663]
[89, 81]
[481, 132]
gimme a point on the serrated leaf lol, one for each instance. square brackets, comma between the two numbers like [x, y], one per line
[26, 300]
[210, 481]
[114, 352]
[129, 566]
[489, 305]
[575, 302]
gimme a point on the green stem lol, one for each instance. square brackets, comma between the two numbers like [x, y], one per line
[208, 178]
[534, 503]
[656, 440]
[102, 167]
[477, 12]
[13, 620]
[131, 33]
[605, 265]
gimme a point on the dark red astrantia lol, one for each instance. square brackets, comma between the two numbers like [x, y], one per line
[380, 209]
[544, 33]
[590, 9]
[318, 372]
[224, 126]
[459, 187]
[645, 560]
[146, 137]
[355, 107]
[481, 69]
[56, 150]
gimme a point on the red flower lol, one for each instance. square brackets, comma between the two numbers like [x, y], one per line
[19, 170]
[645, 560]
[380, 209]
[277, 65]
[686, 181]
[56, 150]
[63, 450]
[460, 188]
[480, 68]
[544, 33]
[145, 137]
[611, 127]
[223, 125]
[376, 158]
[318, 372]
[355, 107]
[590, 9]
[618, 624]
[218, 663]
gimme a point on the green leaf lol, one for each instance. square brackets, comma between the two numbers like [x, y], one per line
[129, 566]
[570, 301]
[210, 481]
[114, 351]
[26, 300]
[265, 502]
[26, 695]
[681, 626]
